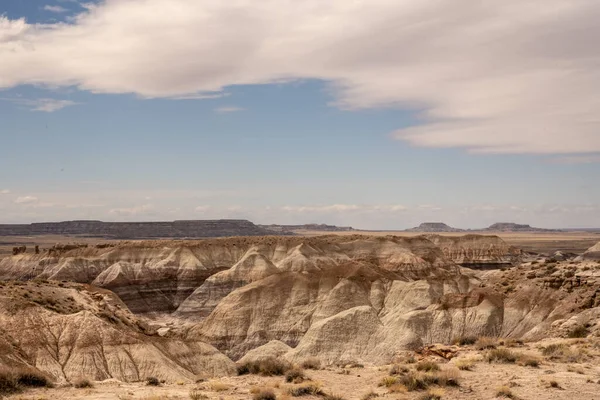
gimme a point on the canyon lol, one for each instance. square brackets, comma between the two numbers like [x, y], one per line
[179, 309]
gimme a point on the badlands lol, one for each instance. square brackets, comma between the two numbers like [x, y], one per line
[349, 316]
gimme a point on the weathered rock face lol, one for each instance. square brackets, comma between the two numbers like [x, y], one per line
[339, 298]
[593, 253]
[477, 251]
[74, 331]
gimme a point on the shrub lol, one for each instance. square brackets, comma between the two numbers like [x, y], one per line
[415, 381]
[13, 379]
[33, 378]
[529, 361]
[295, 375]
[504, 391]
[264, 394]
[561, 352]
[218, 386]
[196, 394]
[8, 381]
[554, 384]
[397, 388]
[369, 396]
[388, 381]
[332, 396]
[152, 381]
[398, 370]
[464, 340]
[485, 343]
[266, 367]
[83, 383]
[500, 356]
[427, 366]
[310, 389]
[464, 364]
[580, 331]
[311, 363]
[432, 394]
[448, 377]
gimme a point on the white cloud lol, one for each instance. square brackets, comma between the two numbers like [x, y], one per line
[229, 109]
[514, 76]
[26, 200]
[43, 104]
[144, 209]
[342, 208]
[202, 209]
[4, 191]
[55, 9]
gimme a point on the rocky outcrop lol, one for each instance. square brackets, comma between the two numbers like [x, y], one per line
[477, 251]
[338, 298]
[593, 253]
[71, 331]
[512, 227]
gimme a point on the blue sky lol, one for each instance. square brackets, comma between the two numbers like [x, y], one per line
[304, 142]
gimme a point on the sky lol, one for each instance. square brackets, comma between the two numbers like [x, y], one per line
[377, 114]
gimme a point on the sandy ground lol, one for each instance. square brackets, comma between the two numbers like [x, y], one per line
[575, 381]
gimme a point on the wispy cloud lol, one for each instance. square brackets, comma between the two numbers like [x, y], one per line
[26, 200]
[4, 191]
[341, 208]
[201, 96]
[144, 209]
[228, 109]
[55, 9]
[42, 104]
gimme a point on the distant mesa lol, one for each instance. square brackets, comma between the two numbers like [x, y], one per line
[512, 227]
[306, 227]
[434, 227]
[140, 230]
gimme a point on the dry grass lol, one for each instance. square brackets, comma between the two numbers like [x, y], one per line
[397, 388]
[428, 366]
[311, 363]
[528, 361]
[398, 370]
[83, 383]
[465, 364]
[266, 367]
[432, 394]
[563, 352]
[12, 380]
[388, 381]
[196, 394]
[308, 389]
[295, 375]
[504, 391]
[464, 340]
[486, 343]
[423, 380]
[369, 396]
[264, 394]
[218, 386]
[501, 356]
[152, 381]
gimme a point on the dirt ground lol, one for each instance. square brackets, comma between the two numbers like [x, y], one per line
[549, 380]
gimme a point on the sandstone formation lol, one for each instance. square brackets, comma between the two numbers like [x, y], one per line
[339, 298]
[593, 253]
[71, 331]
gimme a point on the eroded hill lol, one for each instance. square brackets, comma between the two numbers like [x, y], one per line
[338, 298]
